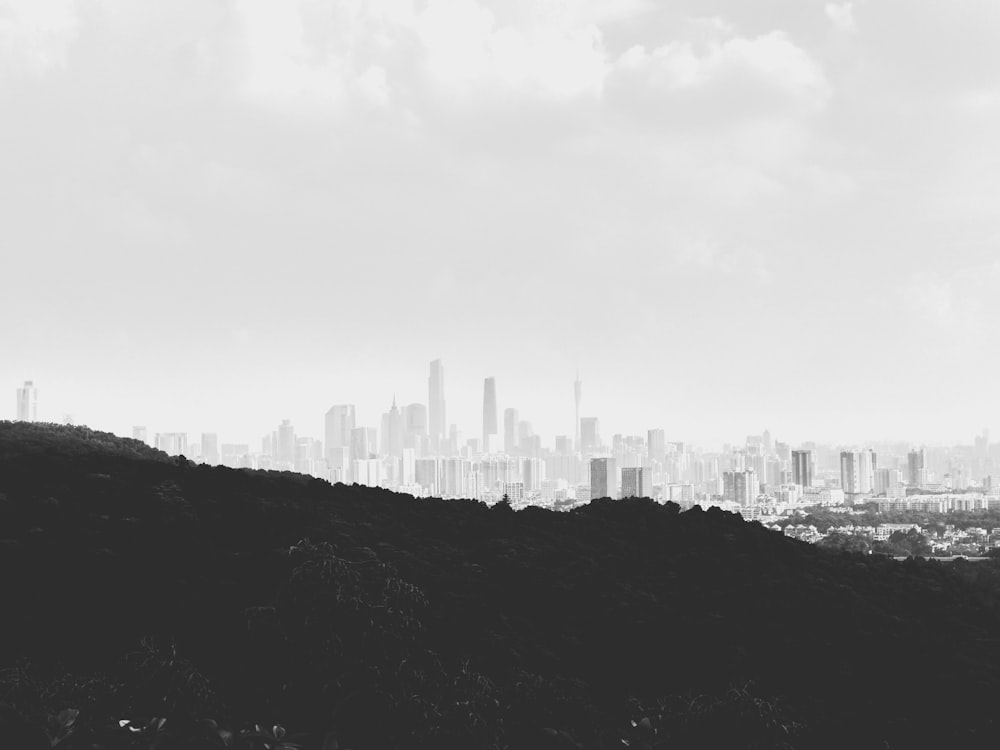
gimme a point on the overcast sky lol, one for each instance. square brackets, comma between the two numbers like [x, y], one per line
[730, 215]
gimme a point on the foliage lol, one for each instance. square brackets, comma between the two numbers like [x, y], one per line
[209, 607]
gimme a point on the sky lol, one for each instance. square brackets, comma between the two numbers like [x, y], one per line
[727, 214]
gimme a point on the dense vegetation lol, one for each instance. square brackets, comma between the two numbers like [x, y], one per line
[258, 609]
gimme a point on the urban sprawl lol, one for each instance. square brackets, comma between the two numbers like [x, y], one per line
[878, 492]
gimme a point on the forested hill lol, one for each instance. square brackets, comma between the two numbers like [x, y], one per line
[136, 585]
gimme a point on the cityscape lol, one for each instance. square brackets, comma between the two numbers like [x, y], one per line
[415, 450]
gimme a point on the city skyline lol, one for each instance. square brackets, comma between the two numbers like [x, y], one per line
[336, 437]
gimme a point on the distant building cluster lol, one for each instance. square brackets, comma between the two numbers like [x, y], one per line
[415, 450]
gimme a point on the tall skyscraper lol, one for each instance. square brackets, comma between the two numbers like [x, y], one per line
[656, 445]
[867, 465]
[392, 432]
[741, 487]
[578, 398]
[337, 436]
[489, 414]
[435, 406]
[602, 478]
[915, 468]
[849, 474]
[802, 468]
[590, 435]
[511, 418]
[139, 433]
[27, 402]
[286, 445]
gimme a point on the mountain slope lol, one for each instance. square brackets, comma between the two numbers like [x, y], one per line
[430, 623]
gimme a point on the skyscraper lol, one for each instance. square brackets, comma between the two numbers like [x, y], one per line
[139, 433]
[867, 464]
[802, 468]
[578, 397]
[915, 465]
[210, 448]
[602, 478]
[635, 482]
[435, 405]
[849, 472]
[489, 414]
[590, 437]
[337, 437]
[27, 402]
[511, 418]
[392, 432]
[286, 445]
[656, 445]
[741, 487]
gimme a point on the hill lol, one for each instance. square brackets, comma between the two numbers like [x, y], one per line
[140, 586]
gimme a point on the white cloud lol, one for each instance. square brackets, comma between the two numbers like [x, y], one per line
[763, 76]
[841, 16]
[36, 35]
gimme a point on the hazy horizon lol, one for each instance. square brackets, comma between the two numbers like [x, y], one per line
[728, 216]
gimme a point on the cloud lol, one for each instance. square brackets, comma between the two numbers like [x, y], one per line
[36, 35]
[721, 79]
[841, 16]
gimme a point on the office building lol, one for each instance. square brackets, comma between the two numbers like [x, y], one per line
[392, 431]
[514, 492]
[437, 423]
[590, 437]
[915, 468]
[578, 399]
[139, 433]
[656, 445]
[602, 478]
[741, 487]
[490, 433]
[635, 482]
[339, 424]
[210, 448]
[511, 421]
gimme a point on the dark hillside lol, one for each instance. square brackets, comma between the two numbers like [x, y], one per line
[143, 586]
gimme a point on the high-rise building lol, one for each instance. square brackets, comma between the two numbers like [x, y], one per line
[867, 464]
[915, 468]
[511, 419]
[489, 414]
[392, 432]
[27, 402]
[172, 443]
[849, 478]
[740, 487]
[210, 448]
[436, 406]
[285, 453]
[339, 424]
[363, 443]
[590, 436]
[577, 398]
[139, 433]
[802, 468]
[602, 478]
[514, 491]
[656, 445]
[887, 481]
[635, 482]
